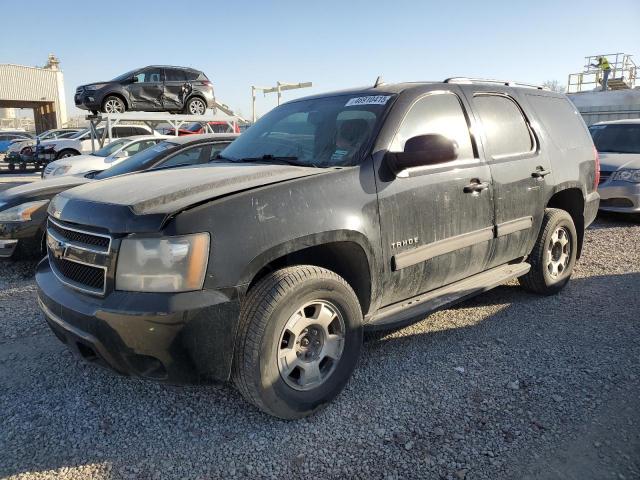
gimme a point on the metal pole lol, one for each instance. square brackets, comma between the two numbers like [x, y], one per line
[253, 104]
[279, 91]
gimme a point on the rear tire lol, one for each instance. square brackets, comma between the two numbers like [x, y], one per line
[22, 167]
[12, 167]
[195, 106]
[298, 342]
[554, 255]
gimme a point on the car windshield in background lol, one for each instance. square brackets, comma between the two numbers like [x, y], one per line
[79, 134]
[110, 148]
[616, 138]
[135, 163]
[67, 135]
[320, 132]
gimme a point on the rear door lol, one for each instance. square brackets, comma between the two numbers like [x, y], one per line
[519, 170]
[146, 93]
[435, 229]
[174, 88]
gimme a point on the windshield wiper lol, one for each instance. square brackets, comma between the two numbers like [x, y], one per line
[271, 159]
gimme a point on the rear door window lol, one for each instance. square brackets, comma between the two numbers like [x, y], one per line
[439, 114]
[505, 128]
[174, 75]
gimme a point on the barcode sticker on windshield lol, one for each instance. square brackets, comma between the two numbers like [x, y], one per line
[370, 100]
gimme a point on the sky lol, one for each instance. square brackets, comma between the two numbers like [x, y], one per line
[334, 44]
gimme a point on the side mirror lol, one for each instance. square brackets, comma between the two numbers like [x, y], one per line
[134, 79]
[423, 150]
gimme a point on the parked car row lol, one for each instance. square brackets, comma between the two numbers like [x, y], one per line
[23, 209]
[21, 152]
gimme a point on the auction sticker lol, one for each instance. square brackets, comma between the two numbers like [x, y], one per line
[370, 100]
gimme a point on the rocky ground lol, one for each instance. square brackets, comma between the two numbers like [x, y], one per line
[507, 385]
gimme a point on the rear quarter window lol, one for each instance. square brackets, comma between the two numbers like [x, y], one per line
[561, 121]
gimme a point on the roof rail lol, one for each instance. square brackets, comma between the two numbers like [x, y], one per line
[507, 83]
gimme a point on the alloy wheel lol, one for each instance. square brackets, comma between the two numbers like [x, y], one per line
[113, 106]
[311, 345]
[197, 107]
[558, 252]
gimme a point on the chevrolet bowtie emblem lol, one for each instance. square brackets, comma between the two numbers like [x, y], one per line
[57, 247]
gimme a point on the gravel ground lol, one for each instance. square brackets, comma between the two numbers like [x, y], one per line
[507, 385]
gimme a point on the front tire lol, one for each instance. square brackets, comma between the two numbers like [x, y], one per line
[195, 106]
[66, 154]
[298, 342]
[113, 104]
[554, 255]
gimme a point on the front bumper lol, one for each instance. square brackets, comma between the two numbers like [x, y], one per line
[28, 234]
[87, 100]
[618, 196]
[175, 338]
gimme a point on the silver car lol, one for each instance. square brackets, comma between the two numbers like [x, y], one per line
[618, 143]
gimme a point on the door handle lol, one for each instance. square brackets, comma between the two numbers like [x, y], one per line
[540, 172]
[475, 187]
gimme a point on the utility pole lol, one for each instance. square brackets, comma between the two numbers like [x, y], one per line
[279, 88]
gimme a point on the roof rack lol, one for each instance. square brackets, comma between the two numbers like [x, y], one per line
[507, 83]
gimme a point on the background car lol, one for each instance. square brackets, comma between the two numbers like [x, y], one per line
[23, 209]
[108, 156]
[149, 89]
[21, 151]
[196, 128]
[7, 137]
[618, 143]
[79, 143]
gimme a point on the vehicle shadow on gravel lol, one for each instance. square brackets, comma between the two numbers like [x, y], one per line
[404, 403]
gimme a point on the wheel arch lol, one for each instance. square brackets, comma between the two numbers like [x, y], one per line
[571, 199]
[346, 253]
[115, 94]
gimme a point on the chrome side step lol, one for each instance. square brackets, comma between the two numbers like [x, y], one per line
[405, 312]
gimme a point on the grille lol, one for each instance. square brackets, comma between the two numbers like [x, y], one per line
[604, 176]
[83, 275]
[616, 202]
[79, 237]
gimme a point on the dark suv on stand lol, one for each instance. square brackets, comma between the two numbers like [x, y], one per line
[334, 214]
[154, 88]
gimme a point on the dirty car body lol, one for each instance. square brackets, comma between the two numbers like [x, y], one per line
[289, 193]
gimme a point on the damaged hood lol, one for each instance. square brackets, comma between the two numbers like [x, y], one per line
[143, 201]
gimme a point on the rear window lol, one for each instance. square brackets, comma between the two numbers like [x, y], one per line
[561, 120]
[504, 126]
[616, 138]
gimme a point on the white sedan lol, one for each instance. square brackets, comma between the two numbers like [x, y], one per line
[108, 156]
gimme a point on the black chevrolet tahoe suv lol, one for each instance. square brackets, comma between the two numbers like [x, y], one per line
[332, 215]
[150, 89]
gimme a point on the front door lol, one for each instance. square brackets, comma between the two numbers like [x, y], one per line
[436, 221]
[518, 169]
[146, 93]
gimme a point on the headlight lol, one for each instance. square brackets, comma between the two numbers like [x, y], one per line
[93, 88]
[627, 175]
[61, 170]
[168, 264]
[21, 213]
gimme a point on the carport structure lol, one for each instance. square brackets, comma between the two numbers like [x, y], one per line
[41, 89]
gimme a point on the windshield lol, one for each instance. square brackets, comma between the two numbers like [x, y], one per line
[320, 132]
[124, 76]
[79, 134]
[111, 148]
[616, 138]
[67, 134]
[137, 162]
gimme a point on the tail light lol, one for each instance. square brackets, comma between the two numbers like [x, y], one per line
[597, 179]
[206, 82]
